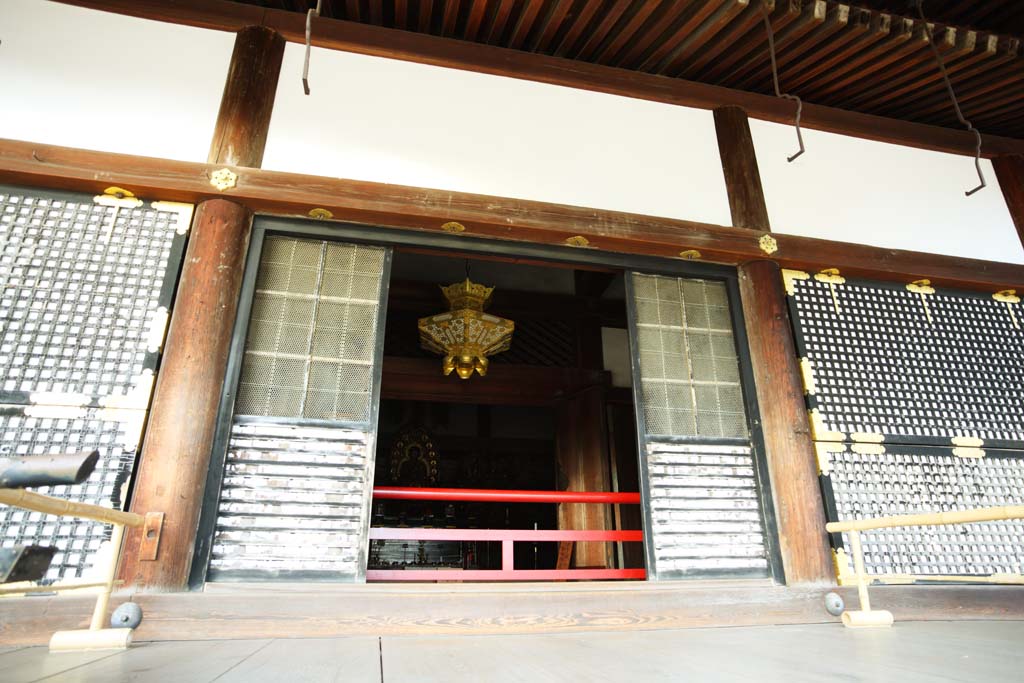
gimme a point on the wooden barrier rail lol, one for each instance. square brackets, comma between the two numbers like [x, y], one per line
[95, 637]
[507, 537]
[865, 617]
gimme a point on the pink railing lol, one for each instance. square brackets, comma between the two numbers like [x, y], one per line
[507, 537]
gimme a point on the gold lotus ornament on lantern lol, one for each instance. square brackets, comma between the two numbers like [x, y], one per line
[465, 335]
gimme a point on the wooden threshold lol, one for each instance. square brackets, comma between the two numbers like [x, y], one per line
[378, 204]
[315, 611]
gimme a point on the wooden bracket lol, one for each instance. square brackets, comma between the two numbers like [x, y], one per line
[151, 529]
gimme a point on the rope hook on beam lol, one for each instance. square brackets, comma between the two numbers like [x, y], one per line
[309, 33]
[775, 80]
[952, 95]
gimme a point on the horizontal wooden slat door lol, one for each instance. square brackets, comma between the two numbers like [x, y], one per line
[699, 479]
[294, 498]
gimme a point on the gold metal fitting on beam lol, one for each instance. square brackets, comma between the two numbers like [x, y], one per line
[577, 241]
[768, 244]
[1010, 298]
[223, 179]
[118, 198]
[923, 287]
[320, 214]
[690, 254]
[831, 277]
[789, 278]
[453, 227]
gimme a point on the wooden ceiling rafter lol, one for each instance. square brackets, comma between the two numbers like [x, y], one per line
[796, 50]
[847, 66]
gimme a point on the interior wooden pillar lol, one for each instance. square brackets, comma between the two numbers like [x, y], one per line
[171, 474]
[1010, 172]
[583, 461]
[789, 450]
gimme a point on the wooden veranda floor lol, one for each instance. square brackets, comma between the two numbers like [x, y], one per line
[911, 651]
[270, 611]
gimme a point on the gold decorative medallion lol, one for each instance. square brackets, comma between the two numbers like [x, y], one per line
[768, 244]
[320, 214]
[453, 227]
[465, 335]
[690, 254]
[577, 241]
[223, 179]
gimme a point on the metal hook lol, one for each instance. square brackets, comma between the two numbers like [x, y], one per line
[952, 95]
[775, 80]
[309, 33]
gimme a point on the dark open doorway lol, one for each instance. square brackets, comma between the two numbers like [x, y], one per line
[554, 413]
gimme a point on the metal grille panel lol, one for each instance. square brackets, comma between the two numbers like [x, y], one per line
[705, 510]
[84, 292]
[919, 479]
[689, 370]
[916, 368]
[312, 331]
[292, 501]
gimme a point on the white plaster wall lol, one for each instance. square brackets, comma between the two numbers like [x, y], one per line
[397, 122]
[884, 195]
[101, 81]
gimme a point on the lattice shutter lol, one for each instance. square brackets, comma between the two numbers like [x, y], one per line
[85, 288]
[916, 399]
[702, 483]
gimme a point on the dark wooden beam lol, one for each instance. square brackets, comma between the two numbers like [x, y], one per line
[1010, 173]
[739, 164]
[416, 379]
[592, 283]
[240, 135]
[423, 298]
[446, 52]
[171, 474]
[37, 165]
[789, 451]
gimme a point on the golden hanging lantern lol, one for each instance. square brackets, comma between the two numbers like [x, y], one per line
[465, 335]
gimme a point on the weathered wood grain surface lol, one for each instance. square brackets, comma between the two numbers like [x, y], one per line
[789, 451]
[38, 165]
[302, 611]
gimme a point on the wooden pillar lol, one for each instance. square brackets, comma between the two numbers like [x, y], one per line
[739, 164]
[171, 475]
[789, 450]
[1010, 172]
[248, 100]
[583, 459]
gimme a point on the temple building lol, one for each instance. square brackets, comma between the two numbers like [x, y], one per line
[517, 315]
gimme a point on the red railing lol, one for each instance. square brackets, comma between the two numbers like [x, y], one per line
[507, 537]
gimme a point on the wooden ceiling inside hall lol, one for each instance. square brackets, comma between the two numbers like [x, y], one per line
[871, 57]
